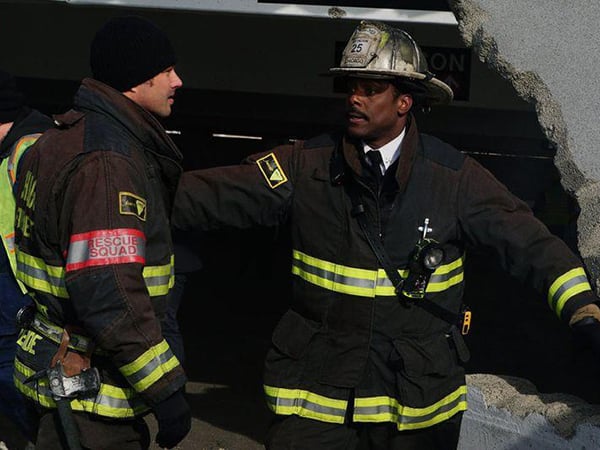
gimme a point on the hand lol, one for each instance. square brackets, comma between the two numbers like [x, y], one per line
[174, 420]
[587, 333]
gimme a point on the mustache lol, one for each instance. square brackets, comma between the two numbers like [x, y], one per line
[353, 112]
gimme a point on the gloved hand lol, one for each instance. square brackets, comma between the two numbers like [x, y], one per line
[174, 420]
[585, 323]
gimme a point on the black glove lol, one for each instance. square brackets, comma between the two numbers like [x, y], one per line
[587, 334]
[174, 420]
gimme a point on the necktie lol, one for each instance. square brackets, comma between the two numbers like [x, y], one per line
[375, 161]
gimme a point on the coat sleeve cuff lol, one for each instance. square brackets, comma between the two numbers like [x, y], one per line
[576, 302]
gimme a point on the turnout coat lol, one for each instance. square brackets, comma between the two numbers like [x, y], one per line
[347, 340]
[94, 248]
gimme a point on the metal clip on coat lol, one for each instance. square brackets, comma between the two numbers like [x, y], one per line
[425, 258]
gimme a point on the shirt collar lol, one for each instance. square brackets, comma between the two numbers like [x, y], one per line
[390, 151]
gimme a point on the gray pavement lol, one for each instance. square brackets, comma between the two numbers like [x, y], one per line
[224, 418]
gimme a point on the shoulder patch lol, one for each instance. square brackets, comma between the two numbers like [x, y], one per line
[442, 152]
[271, 170]
[131, 204]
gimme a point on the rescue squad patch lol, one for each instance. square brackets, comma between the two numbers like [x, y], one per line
[271, 170]
[131, 204]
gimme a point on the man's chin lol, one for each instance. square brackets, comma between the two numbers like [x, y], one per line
[164, 113]
[354, 132]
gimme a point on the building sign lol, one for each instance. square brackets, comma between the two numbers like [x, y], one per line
[453, 67]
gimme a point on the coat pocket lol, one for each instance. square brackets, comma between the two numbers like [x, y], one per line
[425, 369]
[429, 355]
[293, 333]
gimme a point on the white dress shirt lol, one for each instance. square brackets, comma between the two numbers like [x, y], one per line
[389, 152]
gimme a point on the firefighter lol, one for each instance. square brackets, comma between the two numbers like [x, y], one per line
[94, 247]
[371, 348]
[20, 126]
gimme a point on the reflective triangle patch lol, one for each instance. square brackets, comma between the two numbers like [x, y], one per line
[271, 170]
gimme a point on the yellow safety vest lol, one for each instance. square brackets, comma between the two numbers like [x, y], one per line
[8, 176]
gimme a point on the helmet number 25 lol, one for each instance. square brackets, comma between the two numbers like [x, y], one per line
[357, 47]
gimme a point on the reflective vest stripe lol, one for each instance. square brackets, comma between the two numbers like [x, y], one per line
[9, 240]
[366, 409]
[36, 274]
[111, 401]
[565, 287]
[19, 148]
[387, 409]
[150, 366]
[305, 404]
[364, 282]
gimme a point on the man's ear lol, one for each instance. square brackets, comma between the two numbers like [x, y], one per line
[405, 102]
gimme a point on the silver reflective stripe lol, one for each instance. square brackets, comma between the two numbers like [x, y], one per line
[157, 280]
[106, 247]
[368, 282]
[443, 277]
[404, 419]
[10, 242]
[54, 333]
[580, 279]
[40, 279]
[384, 282]
[150, 366]
[304, 404]
[339, 278]
[111, 401]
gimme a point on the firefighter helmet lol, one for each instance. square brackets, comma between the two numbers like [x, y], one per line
[376, 50]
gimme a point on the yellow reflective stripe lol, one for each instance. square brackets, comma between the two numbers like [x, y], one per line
[36, 274]
[565, 287]
[305, 404]
[111, 401]
[364, 282]
[384, 286]
[150, 366]
[387, 409]
[334, 277]
[372, 409]
[446, 276]
[54, 333]
[160, 279]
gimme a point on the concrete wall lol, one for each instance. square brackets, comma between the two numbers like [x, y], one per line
[550, 53]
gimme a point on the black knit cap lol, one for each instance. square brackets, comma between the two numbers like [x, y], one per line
[11, 99]
[129, 50]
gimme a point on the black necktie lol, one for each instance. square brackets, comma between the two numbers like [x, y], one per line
[375, 161]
